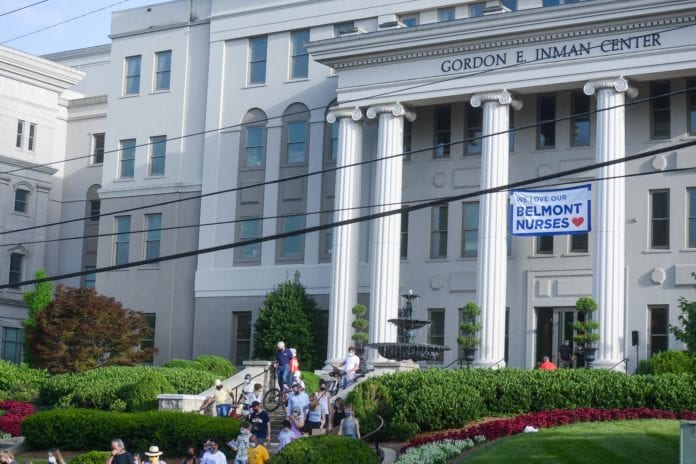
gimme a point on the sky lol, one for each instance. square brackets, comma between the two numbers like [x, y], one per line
[92, 29]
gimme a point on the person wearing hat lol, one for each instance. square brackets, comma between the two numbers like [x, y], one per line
[153, 454]
[282, 365]
[260, 423]
[222, 399]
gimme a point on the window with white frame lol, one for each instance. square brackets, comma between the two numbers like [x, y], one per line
[548, 3]
[21, 201]
[158, 152]
[660, 124]
[474, 130]
[470, 224]
[297, 142]
[127, 159]
[580, 121]
[443, 131]
[659, 333]
[132, 78]
[91, 278]
[163, 70]
[579, 243]
[410, 20]
[12, 344]
[332, 152]
[445, 14]
[477, 9]
[436, 331]
[343, 28]
[691, 200]
[98, 148]
[258, 49]
[255, 147]
[659, 219]
[122, 244]
[250, 228]
[31, 139]
[292, 247]
[19, 143]
[299, 60]
[153, 235]
[546, 114]
[438, 231]
[16, 269]
[543, 245]
[691, 105]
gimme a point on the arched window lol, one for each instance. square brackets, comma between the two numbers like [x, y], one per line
[93, 203]
[253, 140]
[296, 134]
[22, 194]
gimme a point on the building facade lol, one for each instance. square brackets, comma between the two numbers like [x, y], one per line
[201, 107]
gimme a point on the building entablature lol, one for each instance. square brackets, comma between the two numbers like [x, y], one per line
[39, 72]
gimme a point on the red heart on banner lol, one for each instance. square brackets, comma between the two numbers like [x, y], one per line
[578, 221]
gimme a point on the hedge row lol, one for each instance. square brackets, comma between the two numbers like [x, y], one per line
[82, 429]
[20, 382]
[217, 365]
[326, 449]
[435, 399]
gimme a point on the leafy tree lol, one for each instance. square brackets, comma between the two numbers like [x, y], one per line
[687, 319]
[585, 327]
[81, 330]
[469, 329]
[37, 300]
[289, 314]
[360, 325]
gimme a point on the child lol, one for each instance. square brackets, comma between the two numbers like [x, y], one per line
[257, 454]
[241, 446]
[285, 436]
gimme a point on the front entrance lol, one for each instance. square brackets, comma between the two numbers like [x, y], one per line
[554, 326]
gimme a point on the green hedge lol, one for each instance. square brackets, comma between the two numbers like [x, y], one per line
[20, 382]
[433, 399]
[113, 388]
[326, 449]
[311, 381]
[668, 362]
[76, 429]
[217, 365]
[91, 457]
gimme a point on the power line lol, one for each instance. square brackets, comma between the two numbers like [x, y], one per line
[367, 217]
[22, 8]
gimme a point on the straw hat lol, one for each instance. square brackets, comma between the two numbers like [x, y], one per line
[153, 451]
[218, 382]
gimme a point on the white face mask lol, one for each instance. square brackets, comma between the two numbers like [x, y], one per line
[52, 459]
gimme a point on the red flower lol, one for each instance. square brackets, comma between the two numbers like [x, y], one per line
[11, 421]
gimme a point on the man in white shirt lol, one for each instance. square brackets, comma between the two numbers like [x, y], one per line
[350, 365]
[214, 456]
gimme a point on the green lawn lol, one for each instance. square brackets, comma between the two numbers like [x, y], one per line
[638, 441]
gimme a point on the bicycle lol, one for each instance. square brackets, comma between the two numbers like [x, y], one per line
[274, 398]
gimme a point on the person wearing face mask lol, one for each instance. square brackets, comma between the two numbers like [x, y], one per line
[297, 422]
[298, 399]
[241, 446]
[257, 454]
[6, 457]
[248, 393]
[350, 427]
[55, 456]
[119, 455]
[214, 455]
[286, 435]
[260, 423]
[222, 399]
[191, 457]
[324, 398]
[350, 365]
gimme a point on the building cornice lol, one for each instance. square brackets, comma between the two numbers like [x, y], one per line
[87, 101]
[152, 29]
[79, 53]
[39, 72]
[27, 165]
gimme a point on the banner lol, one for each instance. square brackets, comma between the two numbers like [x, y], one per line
[551, 212]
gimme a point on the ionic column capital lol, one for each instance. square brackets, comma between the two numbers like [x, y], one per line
[397, 109]
[619, 85]
[503, 98]
[355, 114]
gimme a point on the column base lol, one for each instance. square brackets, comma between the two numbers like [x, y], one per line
[488, 364]
[388, 367]
[618, 365]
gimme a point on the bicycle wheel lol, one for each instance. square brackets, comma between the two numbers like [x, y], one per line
[271, 400]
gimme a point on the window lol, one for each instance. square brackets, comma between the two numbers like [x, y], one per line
[510, 4]
[470, 220]
[658, 329]
[561, 2]
[445, 14]
[132, 75]
[32, 137]
[123, 225]
[691, 193]
[91, 278]
[438, 234]
[407, 140]
[127, 159]
[153, 223]
[580, 122]
[327, 236]
[409, 20]
[250, 228]
[20, 134]
[477, 9]
[12, 344]
[659, 110]
[163, 70]
[442, 132]
[297, 142]
[546, 131]
[255, 146]
[333, 142]
[292, 247]
[242, 339]
[344, 28]
[691, 105]
[158, 151]
[98, 148]
[404, 235]
[544, 245]
[21, 201]
[579, 243]
[659, 219]
[436, 331]
[16, 265]
[94, 210]
[474, 130]
[299, 67]
[151, 320]
[257, 60]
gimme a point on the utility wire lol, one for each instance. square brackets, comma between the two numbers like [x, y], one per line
[22, 8]
[367, 217]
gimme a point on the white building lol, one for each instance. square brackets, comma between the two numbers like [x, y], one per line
[198, 97]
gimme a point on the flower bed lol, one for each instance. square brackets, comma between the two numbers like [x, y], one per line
[15, 412]
[494, 429]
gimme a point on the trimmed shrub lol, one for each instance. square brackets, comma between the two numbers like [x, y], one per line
[20, 382]
[87, 429]
[189, 381]
[219, 366]
[185, 364]
[91, 457]
[311, 381]
[142, 396]
[672, 362]
[326, 449]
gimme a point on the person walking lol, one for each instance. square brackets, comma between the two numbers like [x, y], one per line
[294, 362]
[339, 413]
[260, 423]
[213, 455]
[248, 396]
[565, 355]
[315, 416]
[286, 435]
[153, 455]
[282, 365]
[6, 457]
[55, 456]
[241, 446]
[299, 399]
[257, 454]
[222, 399]
[191, 456]
[324, 398]
[350, 427]
[297, 422]
[119, 455]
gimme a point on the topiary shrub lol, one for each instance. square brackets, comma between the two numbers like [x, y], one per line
[20, 382]
[326, 449]
[88, 428]
[142, 396]
[189, 381]
[91, 457]
[218, 365]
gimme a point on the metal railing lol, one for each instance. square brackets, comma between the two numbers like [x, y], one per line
[625, 361]
[462, 360]
[378, 451]
[235, 391]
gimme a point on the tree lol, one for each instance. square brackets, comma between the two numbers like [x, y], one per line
[37, 300]
[291, 315]
[687, 319]
[81, 330]
[360, 325]
[468, 339]
[585, 327]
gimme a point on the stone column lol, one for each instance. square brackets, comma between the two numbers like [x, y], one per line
[491, 278]
[344, 263]
[386, 230]
[608, 284]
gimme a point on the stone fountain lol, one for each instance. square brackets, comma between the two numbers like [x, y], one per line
[405, 347]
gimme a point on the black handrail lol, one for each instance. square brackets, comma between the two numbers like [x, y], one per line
[236, 388]
[381, 425]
